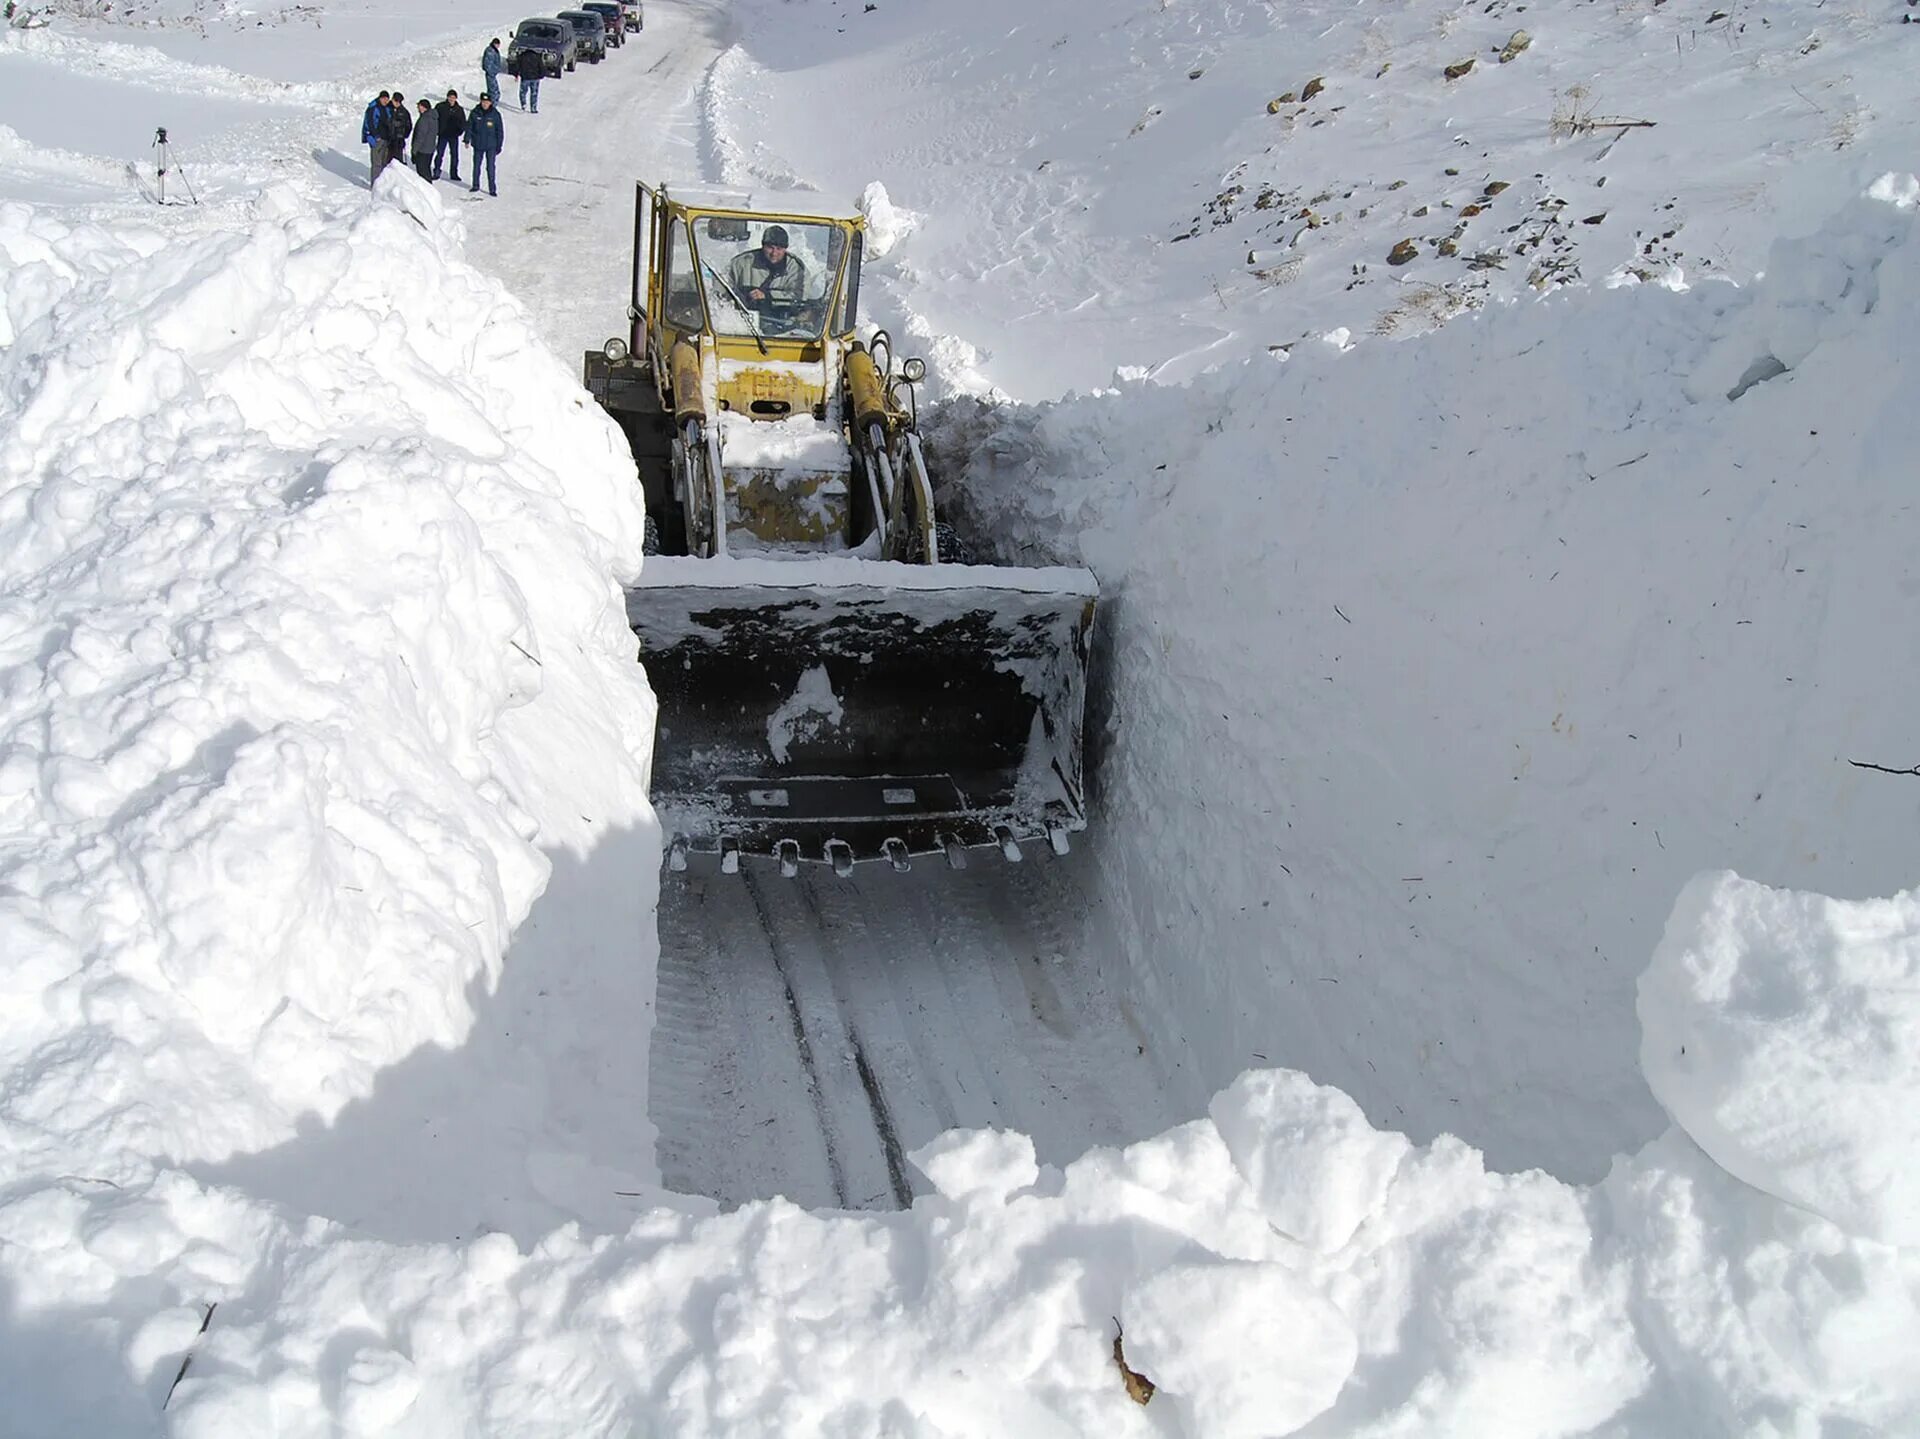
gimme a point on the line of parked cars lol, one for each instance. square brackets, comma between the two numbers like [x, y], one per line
[563, 40]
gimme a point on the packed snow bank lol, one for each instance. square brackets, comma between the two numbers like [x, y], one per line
[1434, 670]
[312, 647]
[1277, 1268]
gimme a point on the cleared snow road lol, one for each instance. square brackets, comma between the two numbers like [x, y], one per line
[813, 1031]
[810, 1033]
[560, 235]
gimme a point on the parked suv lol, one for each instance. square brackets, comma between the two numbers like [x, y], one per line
[590, 31]
[553, 40]
[610, 17]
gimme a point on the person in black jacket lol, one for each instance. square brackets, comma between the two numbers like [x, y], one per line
[399, 125]
[453, 128]
[487, 133]
[527, 67]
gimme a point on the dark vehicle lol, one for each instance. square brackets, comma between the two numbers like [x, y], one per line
[553, 40]
[610, 17]
[591, 31]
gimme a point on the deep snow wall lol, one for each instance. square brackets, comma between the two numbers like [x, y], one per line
[1434, 669]
[311, 658]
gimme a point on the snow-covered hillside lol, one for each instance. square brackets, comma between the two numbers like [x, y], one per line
[1434, 668]
[1169, 186]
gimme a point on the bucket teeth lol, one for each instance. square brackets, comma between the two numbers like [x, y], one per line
[1009, 846]
[788, 853]
[729, 855]
[677, 854]
[1057, 837]
[956, 851]
[896, 853]
[840, 856]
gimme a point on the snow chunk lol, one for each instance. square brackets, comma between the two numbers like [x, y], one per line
[812, 707]
[991, 1163]
[887, 223]
[1782, 1032]
[1900, 191]
[1519, 1320]
[1241, 1349]
[1316, 1166]
[799, 444]
[1768, 1319]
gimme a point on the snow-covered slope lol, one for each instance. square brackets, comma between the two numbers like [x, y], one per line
[1149, 183]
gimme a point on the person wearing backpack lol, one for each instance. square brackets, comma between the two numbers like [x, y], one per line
[376, 133]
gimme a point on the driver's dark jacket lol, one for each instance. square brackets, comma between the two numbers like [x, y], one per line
[784, 286]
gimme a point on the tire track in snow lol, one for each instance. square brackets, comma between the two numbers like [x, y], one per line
[803, 1046]
[911, 1004]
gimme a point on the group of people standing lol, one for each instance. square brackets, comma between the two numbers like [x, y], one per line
[432, 137]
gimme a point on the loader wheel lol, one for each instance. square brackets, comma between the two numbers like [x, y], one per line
[953, 549]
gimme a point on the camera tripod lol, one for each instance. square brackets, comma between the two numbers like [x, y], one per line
[163, 161]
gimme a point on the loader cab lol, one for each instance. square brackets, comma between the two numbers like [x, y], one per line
[698, 289]
[753, 336]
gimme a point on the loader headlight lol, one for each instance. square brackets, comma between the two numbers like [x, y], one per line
[913, 371]
[615, 350]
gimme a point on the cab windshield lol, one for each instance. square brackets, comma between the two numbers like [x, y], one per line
[758, 287]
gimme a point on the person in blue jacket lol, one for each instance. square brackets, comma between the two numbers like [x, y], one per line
[492, 62]
[376, 133]
[488, 136]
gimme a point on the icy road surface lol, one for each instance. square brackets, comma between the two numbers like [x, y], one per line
[814, 1031]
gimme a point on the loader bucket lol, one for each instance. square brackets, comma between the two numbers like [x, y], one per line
[843, 709]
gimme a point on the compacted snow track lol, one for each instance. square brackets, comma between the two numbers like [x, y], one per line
[812, 1032]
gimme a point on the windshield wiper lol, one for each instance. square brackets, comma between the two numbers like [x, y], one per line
[753, 326]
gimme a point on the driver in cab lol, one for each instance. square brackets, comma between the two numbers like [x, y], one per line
[769, 277]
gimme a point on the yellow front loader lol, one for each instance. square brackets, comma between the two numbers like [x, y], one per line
[836, 685]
